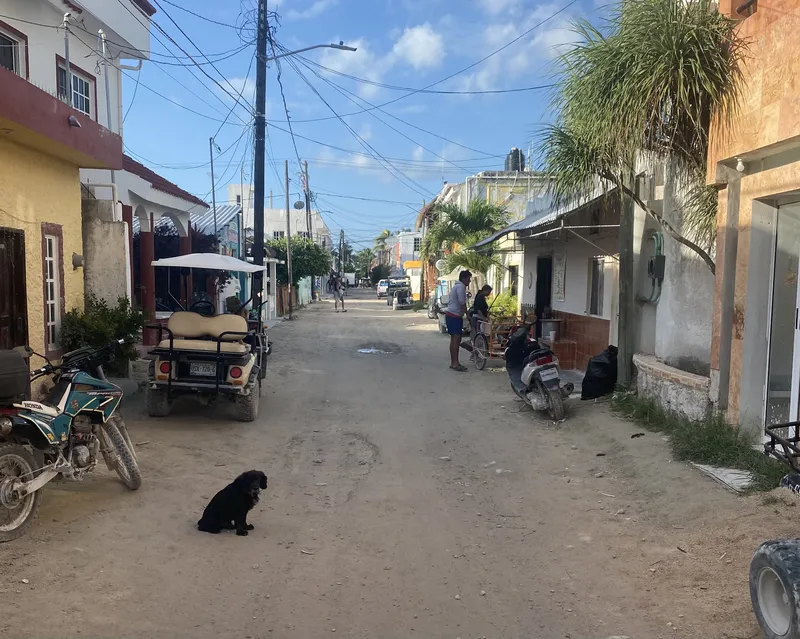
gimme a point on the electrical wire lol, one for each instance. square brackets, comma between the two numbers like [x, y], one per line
[285, 106]
[133, 97]
[201, 17]
[235, 104]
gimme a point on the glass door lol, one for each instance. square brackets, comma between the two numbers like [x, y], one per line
[783, 375]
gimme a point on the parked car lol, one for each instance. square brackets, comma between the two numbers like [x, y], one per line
[383, 285]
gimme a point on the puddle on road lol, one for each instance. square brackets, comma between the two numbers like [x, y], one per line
[380, 348]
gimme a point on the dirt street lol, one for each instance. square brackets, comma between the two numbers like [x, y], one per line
[405, 500]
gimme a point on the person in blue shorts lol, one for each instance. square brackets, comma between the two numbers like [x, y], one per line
[454, 317]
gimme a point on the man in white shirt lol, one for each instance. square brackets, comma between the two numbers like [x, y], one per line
[454, 317]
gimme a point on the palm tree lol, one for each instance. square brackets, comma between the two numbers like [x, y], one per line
[456, 229]
[380, 240]
[652, 81]
[363, 261]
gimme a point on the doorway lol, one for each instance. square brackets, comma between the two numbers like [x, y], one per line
[13, 292]
[544, 288]
[783, 370]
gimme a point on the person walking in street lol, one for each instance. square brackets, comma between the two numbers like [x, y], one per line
[454, 317]
[338, 294]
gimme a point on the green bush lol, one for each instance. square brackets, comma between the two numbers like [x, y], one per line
[100, 324]
[504, 305]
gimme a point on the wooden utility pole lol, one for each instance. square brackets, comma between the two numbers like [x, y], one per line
[260, 133]
[627, 297]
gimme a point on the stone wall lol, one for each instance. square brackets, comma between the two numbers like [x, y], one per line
[676, 390]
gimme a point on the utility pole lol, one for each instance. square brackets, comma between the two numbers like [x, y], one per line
[102, 35]
[260, 134]
[213, 184]
[625, 339]
[307, 190]
[341, 252]
[289, 241]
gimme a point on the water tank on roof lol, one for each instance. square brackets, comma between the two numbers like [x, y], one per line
[515, 161]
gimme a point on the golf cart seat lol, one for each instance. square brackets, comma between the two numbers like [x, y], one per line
[194, 332]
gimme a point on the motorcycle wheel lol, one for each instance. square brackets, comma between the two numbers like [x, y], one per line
[431, 312]
[481, 352]
[125, 464]
[555, 404]
[775, 588]
[16, 515]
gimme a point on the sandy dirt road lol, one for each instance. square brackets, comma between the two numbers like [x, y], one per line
[405, 500]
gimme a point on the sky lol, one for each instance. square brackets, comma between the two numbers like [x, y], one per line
[370, 168]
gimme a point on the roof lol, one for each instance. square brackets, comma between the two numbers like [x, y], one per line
[157, 182]
[545, 212]
[204, 222]
[145, 6]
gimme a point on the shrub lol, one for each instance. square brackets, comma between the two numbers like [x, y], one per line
[504, 305]
[100, 324]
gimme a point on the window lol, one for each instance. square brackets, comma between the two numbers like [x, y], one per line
[417, 243]
[239, 200]
[278, 235]
[513, 279]
[13, 50]
[595, 293]
[305, 234]
[83, 88]
[52, 290]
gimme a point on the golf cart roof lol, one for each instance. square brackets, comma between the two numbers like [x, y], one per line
[213, 262]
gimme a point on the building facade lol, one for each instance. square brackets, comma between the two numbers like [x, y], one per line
[55, 124]
[755, 161]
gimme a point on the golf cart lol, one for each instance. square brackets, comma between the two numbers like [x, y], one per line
[208, 355]
[402, 299]
[396, 284]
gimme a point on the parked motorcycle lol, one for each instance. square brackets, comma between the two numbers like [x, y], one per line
[534, 373]
[62, 436]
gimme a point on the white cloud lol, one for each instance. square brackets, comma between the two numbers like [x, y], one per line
[363, 63]
[420, 46]
[495, 7]
[319, 7]
[247, 87]
[418, 154]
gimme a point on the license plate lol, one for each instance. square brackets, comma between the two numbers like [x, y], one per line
[548, 374]
[202, 369]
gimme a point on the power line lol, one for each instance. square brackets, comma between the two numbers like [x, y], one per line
[244, 86]
[201, 17]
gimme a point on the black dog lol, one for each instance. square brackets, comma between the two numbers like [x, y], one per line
[229, 507]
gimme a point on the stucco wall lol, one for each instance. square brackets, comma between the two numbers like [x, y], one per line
[105, 253]
[38, 188]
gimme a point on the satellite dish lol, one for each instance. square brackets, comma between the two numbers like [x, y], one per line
[299, 205]
[440, 265]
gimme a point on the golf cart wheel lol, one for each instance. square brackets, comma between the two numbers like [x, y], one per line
[443, 328]
[157, 402]
[245, 407]
[775, 588]
[480, 350]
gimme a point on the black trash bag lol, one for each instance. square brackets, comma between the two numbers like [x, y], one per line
[601, 375]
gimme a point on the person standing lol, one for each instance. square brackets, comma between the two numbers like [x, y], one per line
[338, 294]
[454, 317]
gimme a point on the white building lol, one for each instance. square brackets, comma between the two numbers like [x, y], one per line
[275, 218]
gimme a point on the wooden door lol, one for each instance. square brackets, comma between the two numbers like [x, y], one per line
[13, 293]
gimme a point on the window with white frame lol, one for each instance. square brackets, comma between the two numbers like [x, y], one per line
[12, 50]
[595, 288]
[52, 291]
[278, 235]
[83, 88]
[417, 243]
[304, 234]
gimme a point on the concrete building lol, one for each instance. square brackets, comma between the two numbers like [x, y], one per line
[55, 123]
[400, 248]
[275, 218]
[755, 161]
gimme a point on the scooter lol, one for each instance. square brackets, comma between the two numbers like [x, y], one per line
[534, 373]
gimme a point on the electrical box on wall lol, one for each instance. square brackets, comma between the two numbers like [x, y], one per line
[656, 267]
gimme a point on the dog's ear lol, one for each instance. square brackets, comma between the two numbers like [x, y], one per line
[262, 480]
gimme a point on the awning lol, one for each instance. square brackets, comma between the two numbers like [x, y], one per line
[412, 264]
[210, 261]
[548, 215]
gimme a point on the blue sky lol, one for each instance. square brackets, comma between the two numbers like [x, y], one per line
[408, 44]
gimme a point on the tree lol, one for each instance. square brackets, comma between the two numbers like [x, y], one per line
[363, 262]
[380, 240]
[308, 259]
[652, 81]
[380, 272]
[455, 229]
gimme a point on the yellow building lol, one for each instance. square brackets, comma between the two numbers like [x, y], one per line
[43, 144]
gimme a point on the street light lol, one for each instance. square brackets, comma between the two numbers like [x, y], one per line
[341, 47]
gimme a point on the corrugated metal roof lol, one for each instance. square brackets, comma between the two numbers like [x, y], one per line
[543, 212]
[203, 222]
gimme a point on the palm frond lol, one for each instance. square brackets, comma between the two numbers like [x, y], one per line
[470, 260]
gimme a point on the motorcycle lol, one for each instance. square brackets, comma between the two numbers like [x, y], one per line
[62, 436]
[534, 373]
